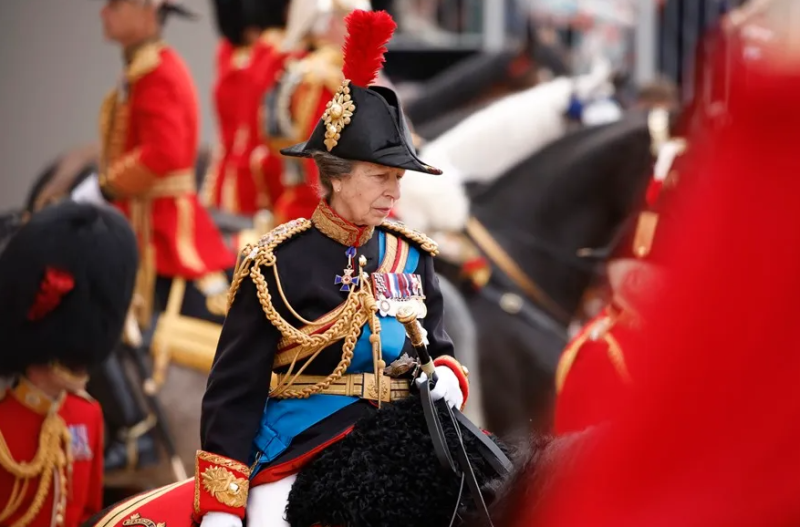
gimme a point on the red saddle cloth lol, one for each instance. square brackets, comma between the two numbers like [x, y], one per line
[171, 505]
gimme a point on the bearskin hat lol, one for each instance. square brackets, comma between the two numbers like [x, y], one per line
[66, 280]
[234, 16]
[230, 19]
[266, 14]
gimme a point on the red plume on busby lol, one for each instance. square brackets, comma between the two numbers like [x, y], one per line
[365, 122]
[66, 280]
[364, 48]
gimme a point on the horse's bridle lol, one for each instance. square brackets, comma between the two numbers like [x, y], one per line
[498, 256]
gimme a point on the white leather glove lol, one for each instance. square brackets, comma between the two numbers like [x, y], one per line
[220, 519]
[447, 387]
[88, 191]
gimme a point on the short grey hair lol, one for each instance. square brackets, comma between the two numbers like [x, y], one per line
[330, 167]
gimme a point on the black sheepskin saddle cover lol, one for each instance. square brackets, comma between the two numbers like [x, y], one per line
[385, 474]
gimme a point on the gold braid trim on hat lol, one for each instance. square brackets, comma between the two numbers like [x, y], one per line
[338, 114]
[54, 453]
[360, 308]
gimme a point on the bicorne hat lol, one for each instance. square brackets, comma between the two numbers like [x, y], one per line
[364, 122]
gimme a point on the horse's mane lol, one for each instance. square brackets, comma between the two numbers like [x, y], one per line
[578, 158]
[544, 463]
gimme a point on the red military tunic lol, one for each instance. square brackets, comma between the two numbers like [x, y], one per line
[320, 76]
[246, 175]
[149, 127]
[73, 492]
[592, 375]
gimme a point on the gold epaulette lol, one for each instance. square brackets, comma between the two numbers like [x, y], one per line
[263, 251]
[421, 239]
[144, 61]
[323, 66]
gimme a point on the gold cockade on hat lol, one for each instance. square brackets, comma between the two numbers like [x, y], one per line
[338, 114]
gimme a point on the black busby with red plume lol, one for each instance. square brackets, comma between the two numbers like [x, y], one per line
[234, 17]
[66, 280]
[365, 122]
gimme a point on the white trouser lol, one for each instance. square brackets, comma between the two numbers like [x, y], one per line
[266, 504]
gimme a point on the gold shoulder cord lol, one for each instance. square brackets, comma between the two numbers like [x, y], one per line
[359, 308]
[54, 453]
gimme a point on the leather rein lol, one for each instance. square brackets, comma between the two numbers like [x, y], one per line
[499, 257]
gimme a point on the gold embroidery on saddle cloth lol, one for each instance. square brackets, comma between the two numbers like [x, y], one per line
[137, 519]
[116, 513]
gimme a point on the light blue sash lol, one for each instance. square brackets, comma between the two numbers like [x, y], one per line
[285, 419]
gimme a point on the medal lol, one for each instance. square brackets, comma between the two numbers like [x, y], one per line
[346, 280]
[393, 291]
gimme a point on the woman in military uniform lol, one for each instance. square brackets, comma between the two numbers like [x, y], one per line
[315, 302]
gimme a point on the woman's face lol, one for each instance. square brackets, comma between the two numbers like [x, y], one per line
[368, 194]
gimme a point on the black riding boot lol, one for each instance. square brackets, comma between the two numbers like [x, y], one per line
[130, 441]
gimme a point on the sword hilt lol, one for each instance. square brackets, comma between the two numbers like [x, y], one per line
[408, 317]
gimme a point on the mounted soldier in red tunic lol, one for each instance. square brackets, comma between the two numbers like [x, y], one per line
[247, 175]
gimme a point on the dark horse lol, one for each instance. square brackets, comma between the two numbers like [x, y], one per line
[532, 223]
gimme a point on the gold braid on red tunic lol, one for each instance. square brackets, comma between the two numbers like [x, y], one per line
[53, 455]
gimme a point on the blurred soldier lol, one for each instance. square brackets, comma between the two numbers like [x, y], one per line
[593, 374]
[246, 175]
[303, 92]
[66, 279]
[149, 127]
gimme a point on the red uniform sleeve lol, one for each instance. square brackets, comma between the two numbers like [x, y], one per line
[156, 118]
[94, 498]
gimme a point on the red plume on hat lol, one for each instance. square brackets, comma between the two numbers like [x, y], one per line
[368, 32]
